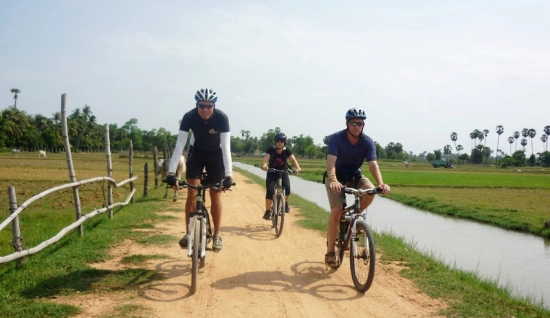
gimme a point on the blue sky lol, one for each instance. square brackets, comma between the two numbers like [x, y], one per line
[420, 69]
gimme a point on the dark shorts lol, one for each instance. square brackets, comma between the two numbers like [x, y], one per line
[211, 161]
[271, 180]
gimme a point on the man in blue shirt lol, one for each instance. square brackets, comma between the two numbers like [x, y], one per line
[347, 151]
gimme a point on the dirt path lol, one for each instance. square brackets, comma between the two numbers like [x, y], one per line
[256, 274]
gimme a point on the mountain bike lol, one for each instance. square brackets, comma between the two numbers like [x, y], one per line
[279, 200]
[199, 233]
[355, 235]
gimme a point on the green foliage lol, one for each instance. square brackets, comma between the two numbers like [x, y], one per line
[544, 159]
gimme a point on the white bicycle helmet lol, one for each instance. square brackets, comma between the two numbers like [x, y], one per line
[207, 95]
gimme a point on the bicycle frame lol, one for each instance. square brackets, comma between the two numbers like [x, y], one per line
[352, 213]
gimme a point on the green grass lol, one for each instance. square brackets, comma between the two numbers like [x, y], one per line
[465, 293]
[501, 197]
[140, 258]
[24, 290]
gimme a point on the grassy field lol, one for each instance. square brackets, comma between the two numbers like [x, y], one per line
[63, 269]
[502, 197]
[464, 292]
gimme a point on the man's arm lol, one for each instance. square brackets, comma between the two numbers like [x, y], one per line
[225, 143]
[180, 145]
[375, 171]
[331, 168]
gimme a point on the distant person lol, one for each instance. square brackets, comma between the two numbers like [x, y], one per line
[210, 151]
[347, 151]
[276, 157]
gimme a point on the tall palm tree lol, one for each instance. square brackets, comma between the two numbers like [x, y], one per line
[459, 148]
[473, 136]
[500, 130]
[532, 134]
[516, 136]
[15, 91]
[544, 139]
[523, 143]
[547, 132]
[511, 141]
[454, 137]
[485, 133]
[447, 150]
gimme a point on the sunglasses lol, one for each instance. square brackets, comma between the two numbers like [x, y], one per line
[280, 140]
[201, 106]
[357, 123]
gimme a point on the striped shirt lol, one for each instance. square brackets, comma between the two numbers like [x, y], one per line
[351, 157]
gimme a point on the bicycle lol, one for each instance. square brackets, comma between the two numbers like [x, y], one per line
[279, 200]
[200, 229]
[355, 235]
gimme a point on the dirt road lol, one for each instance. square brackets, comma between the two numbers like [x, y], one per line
[256, 274]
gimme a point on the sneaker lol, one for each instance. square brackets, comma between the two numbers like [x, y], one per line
[287, 208]
[330, 259]
[183, 242]
[217, 245]
[267, 215]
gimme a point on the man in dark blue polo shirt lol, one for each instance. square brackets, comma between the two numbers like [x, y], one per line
[347, 151]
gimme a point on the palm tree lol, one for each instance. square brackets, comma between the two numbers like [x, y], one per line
[547, 132]
[516, 136]
[532, 134]
[511, 141]
[459, 148]
[523, 143]
[485, 133]
[15, 91]
[544, 140]
[454, 137]
[447, 150]
[473, 136]
[500, 130]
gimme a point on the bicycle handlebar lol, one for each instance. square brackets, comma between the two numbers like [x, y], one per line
[359, 192]
[289, 171]
[215, 186]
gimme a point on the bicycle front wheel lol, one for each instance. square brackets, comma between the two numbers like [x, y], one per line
[204, 226]
[195, 255]
[279, 214]
[362, 257]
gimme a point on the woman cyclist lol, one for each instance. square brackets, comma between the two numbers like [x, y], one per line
[276, 158]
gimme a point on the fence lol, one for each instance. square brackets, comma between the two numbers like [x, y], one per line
[16, 210]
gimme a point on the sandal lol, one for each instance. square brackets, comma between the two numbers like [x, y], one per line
[330, 259]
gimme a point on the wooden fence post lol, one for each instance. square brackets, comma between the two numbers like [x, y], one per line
[130, 156]
[68, 155]
[155, 167]
[109, 169]
[17, 239]
[145, 179]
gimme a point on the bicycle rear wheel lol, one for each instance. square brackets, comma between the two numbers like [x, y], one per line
[362, 257]
[279, 214]
[195, 256]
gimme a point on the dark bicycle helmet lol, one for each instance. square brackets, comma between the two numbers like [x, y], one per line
[280, 135]
[207, 95]
[355, 113]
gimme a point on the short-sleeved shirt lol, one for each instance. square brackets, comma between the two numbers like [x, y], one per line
[278, 161]
[350, 157]
[206, 132]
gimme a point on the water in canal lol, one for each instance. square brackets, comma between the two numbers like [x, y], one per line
[518, 261]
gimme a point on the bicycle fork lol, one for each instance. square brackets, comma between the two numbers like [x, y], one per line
[202, 224]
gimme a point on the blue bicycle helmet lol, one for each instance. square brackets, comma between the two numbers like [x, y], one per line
[355, 113]
[207, 95]
[279, 135]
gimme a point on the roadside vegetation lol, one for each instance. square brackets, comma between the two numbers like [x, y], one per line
[504, 197]
[63, 269]
[466, 294]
